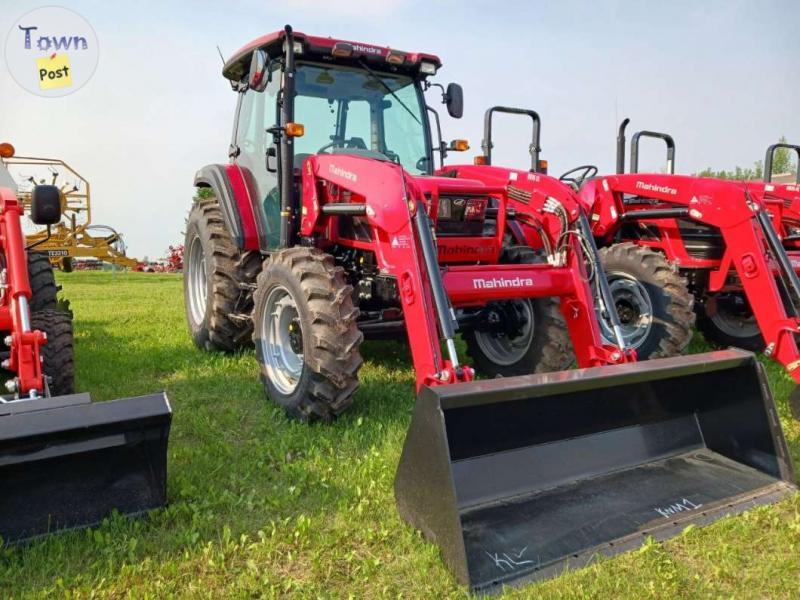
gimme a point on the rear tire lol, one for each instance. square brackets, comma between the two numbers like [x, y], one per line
[44, 292]
[216, 280]
[67, 265]
[652, 299]
[726, 328]
[306, 336]
[542, 344]
[57, 354]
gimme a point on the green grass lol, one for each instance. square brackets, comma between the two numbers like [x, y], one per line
[262, 506]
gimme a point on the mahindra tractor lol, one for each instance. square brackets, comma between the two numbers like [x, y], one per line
[331, 224]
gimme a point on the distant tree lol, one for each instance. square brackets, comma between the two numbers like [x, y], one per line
[782, 163]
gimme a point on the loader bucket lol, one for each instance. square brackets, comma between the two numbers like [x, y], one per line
[69, 462]
[520, 478]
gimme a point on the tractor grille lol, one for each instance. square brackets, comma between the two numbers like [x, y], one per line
[701, 241]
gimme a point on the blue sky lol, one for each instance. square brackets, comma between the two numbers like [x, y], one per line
[721, 76]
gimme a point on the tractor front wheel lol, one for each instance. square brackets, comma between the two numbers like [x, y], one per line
[44, 291]
[57, 354]
[652, 300]
[519, 337]
[727, 320]
[216, 280]
[305, 332]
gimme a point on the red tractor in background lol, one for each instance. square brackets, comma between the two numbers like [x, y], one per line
[330, 225]
[674, 246]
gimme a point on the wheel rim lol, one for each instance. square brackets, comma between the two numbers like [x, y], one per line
[197, 284]
[634, 308]
[737, 325]
[282, 341]
[502, 349]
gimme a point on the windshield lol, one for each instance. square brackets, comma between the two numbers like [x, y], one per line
[349, 109]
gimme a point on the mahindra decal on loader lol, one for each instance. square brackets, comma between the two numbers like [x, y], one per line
[515, 477]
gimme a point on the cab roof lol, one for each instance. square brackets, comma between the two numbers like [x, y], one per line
[321, 48]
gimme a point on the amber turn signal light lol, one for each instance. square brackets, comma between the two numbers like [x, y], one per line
[479, 160]
[6, 150]
[459, 145]
[295, 129]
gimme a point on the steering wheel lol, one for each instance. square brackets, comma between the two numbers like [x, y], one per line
[354, 143]
[575, 177]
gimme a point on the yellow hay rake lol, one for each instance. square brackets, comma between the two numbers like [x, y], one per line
[75, 236]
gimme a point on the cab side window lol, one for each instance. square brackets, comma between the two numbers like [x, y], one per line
[257, 113]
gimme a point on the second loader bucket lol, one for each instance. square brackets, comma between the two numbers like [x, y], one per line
[520, 478]
[69, 462]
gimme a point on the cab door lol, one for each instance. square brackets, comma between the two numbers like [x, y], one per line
[254, 152]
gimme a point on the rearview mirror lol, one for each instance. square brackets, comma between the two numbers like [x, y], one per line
[259, 71]
[45, 205]
[454, 99]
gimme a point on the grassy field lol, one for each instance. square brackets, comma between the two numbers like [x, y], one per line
[263, 506]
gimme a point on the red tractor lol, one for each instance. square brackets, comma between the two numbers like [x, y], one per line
[330, 224]
[673, 246]
[64, 460]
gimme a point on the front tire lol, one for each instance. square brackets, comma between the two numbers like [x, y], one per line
[216, 276]
[652, 300]
[58, 364]
[538, 342]
[306, 336]
[44, 291]
[729, 321]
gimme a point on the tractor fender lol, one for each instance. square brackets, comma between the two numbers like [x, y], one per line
[228, 185]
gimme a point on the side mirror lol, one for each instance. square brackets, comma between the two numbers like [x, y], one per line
[454, 99]
[45, 205]
[259, 71]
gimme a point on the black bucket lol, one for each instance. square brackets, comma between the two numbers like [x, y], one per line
[518, 479]
[69, 462]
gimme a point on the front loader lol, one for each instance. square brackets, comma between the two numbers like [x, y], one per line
[330, 225]
[65, 461]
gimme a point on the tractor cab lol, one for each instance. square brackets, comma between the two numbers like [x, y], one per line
[302, 96]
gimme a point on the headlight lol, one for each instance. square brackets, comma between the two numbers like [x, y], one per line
[428, 68]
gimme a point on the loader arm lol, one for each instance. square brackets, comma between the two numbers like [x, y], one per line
[389, 201]
[23, 349]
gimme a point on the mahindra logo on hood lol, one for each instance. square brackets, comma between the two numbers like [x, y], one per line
[501, 282]
[651, 187]
[343, 173]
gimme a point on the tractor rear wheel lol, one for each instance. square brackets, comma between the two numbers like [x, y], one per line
[519, 337]
[728, 321]
[652, 300]
[57, 354]
[306, 336]
[67, 265]
[44, 291]
[217, 281]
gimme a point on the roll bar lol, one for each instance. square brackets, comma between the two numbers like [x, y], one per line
[771, 155]
[534, 148]
[659, 136]
[634, 166]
